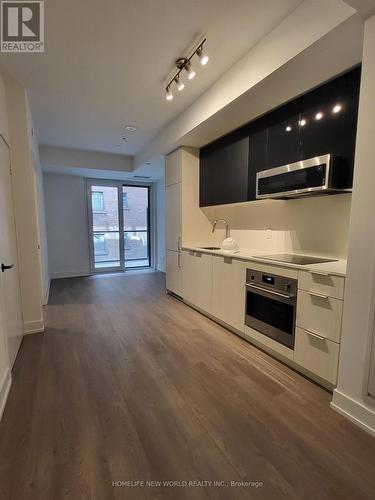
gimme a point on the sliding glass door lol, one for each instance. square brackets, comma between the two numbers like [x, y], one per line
[119, 226]
[135, 202]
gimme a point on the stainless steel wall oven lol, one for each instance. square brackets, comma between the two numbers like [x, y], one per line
[271, 302]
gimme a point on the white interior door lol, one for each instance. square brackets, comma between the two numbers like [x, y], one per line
[10, 299]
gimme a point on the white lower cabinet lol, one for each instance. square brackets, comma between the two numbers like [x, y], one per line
[228, 291]
[317, 354]
[322, 283]
[197, 279]
[203, 268]
[319, 314]
[215, 285]
[189, 276]
[174, 272]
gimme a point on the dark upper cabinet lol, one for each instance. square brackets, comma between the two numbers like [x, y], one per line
[321, 121]
[257, 153]
[330, 114]
[224, 170]
[284, 135]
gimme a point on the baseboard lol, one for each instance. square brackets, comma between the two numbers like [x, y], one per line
[357, 412]
[69, 274]
[4, 390]
[33, 327]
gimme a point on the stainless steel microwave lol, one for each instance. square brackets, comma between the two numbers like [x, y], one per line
[316, 175]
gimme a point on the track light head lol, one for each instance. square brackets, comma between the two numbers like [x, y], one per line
[168, 95]
[202, 56]
[179, 83]
[190, 71]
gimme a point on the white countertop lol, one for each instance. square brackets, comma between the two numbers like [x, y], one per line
[337, 268]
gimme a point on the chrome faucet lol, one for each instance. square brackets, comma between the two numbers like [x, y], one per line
[227, 230]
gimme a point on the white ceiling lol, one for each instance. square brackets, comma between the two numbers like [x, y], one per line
[106, 63]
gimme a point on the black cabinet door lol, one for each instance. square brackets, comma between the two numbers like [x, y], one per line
[330, 113]
[224, 171]
[257, 154]
[236, 178]
[284, 135]
[213, 167]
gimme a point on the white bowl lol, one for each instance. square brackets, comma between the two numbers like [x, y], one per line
[230, 245]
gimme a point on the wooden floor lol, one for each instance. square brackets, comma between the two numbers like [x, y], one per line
[128, 384]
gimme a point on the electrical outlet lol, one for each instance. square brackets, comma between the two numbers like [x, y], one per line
[268, 234]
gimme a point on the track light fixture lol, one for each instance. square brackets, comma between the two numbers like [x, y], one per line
[185, 64]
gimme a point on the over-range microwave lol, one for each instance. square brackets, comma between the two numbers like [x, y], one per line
[318, 175]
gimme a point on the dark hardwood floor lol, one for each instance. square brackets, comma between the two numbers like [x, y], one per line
[128, 384]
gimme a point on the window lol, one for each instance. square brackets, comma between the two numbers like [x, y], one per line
[125, 200]
[97, 201]
[100, 245]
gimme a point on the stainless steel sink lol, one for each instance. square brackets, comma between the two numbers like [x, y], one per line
[210, 248]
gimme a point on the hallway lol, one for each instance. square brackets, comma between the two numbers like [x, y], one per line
[129, 384]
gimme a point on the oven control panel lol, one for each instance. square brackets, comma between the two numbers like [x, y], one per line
[271, 281]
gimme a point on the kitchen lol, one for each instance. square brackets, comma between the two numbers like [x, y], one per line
[279, 187]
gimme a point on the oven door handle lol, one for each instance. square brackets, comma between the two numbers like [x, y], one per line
[272, 292]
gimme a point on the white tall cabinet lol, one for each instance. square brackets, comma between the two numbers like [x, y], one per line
[185, 221]
[173, 187]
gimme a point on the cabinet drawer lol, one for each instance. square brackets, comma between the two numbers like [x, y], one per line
[319, 314]
[325, 284]
[319, 356]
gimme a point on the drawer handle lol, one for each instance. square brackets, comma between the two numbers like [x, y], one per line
[319, 273]
[312, 334]
[314, 294]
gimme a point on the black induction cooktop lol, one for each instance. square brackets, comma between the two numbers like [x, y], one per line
[295, 259]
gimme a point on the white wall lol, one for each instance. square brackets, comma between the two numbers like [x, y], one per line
[317, 225]
[23, 157]
[358, 316]
[5, 376]
[78, 158]
[160, 225]
[39, 197]
[67, 225]
[42, 232]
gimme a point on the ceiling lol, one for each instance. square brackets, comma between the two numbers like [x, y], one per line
[106, 64]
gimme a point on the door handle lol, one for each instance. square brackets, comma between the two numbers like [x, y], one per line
[5, 268]
[272, 292]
